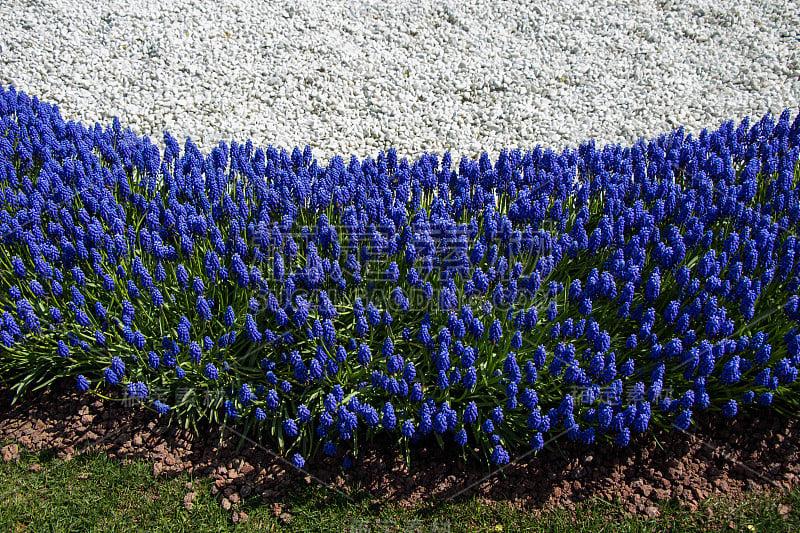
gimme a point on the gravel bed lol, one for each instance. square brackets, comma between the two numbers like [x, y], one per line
[355, 77]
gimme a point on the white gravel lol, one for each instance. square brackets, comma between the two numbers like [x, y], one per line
[354, 77]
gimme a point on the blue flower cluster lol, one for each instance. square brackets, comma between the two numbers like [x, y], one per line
[589, 293]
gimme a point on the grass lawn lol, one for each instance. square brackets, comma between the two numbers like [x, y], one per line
[94, 493]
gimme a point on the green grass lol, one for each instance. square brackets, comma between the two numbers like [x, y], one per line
[95, 493]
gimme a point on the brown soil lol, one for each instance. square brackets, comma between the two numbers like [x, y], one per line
[733, 458]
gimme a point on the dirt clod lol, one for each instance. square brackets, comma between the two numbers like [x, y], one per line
[10, 453]
[226, 504]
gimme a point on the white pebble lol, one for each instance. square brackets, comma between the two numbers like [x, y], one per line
[349, 77]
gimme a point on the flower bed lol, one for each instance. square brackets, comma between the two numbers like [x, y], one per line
[591, 293]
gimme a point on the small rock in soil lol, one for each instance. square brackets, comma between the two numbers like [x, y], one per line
[226, 504]
[245, 469]
[188, 501]
[10, 453]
